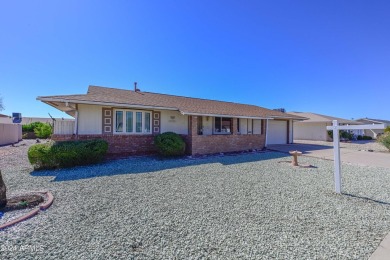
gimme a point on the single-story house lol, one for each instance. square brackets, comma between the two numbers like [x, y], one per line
[373, 132]
[314, 127]
[129, 119]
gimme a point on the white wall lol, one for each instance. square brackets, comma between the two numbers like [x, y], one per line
[310, 131]
[257, 126]
[5, 120]
[10, 133]
[173, 121]
[89, 119]
[243, 126]
[207, 125]
[62, 127]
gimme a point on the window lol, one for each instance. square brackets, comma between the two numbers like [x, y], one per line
[147, 122]
[223, 125]
[200, 125]
[130, 121]
[138, 124]
[119, 121]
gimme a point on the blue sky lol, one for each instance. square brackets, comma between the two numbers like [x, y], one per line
[329, 57]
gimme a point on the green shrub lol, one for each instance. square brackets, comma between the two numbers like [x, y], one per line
[67, 154]
[31, 127]
[346, 135]
[366, 137]
[342, 134]
[387, 130]
[385, 140]
[41, 156]
[359, 137]
[169, 144]
[43, 131]
[37, 129]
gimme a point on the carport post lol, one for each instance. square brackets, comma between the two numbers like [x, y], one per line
[337, 165]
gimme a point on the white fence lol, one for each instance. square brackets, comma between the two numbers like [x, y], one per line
[63, 127]
[10, 133]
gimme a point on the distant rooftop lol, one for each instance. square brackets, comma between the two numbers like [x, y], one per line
[318, 118]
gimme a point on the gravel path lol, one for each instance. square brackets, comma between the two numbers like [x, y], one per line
[363, 145]
[227, 207]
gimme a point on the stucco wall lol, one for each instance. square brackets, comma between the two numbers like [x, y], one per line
[243, 126]
[89, 119]
[257, 126]
[207, 125]
[173, 121]
[10, 133]
[310, 131]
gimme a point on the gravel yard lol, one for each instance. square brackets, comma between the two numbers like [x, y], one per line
[221, 207]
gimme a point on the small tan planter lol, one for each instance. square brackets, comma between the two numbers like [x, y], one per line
[295, 155]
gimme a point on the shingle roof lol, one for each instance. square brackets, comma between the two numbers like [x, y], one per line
[185, 105]
[318, 118]
[375, 121]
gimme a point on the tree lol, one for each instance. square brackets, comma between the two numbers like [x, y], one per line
[3, 195]
[1, 104]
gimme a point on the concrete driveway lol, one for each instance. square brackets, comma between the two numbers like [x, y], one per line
[353, 156]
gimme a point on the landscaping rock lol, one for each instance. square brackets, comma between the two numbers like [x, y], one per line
[3, 191]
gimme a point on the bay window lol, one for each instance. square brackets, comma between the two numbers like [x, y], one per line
[132, 122]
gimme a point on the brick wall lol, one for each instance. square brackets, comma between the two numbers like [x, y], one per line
[118, 144]
[209, 144]
[195, 144]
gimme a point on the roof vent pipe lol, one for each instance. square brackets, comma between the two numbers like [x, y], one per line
[135, 87]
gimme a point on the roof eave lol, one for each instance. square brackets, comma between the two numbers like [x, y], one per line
[222, 115]
[114, 104]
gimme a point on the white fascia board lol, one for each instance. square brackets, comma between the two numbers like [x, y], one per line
[216, 115]
[43, 99]
[286, 117]
[356, 127]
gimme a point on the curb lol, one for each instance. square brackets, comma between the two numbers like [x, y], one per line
[32, 213]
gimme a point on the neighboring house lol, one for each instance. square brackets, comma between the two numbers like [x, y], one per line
[128, 120]
[373, 132]
[314, 127]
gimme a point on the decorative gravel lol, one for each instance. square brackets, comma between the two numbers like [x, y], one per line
[221, 207]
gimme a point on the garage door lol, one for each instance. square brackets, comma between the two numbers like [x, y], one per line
[277, 132]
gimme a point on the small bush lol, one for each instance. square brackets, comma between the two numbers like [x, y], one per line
[359, 137]
[346, 135]
[37, 129]
[385, 140]
[366, 137]
[67, 154]
[41, 156]
[387, 130]
[169, 144]
[43, 131]
[31, 127]
[343, 134]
